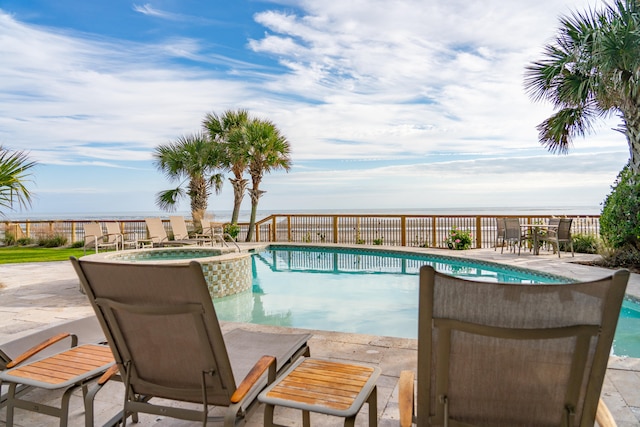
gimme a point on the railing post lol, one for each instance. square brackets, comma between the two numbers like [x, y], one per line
[289, 228]
[335, 229]
[434, 222]
[478, 232]
[27, 228]
[73, 232]
[273, 229]
[403, 230]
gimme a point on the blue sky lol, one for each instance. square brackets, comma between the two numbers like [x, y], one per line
[387, 105]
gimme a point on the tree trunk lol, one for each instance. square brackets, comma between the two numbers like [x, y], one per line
[199, 193]
[631, 118]
[239, 186]
[255, 194]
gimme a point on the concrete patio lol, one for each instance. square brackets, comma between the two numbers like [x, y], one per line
[35, 295]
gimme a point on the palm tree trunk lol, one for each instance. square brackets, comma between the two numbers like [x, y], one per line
[631, 116]
[239, 186]
[255, 194]
[199, 195]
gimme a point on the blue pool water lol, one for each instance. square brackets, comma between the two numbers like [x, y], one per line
[368, 292]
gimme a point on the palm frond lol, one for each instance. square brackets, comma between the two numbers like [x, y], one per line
[168, 200]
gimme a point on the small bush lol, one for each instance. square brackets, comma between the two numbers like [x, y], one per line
[626, 257]
[77, 244]
[52, 241]
[620, 219]
[583, 243]
[24, 241]
[9, 239]
[458, 239]
[232, 230]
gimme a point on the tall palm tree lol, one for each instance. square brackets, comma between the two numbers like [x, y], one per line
[590, 71]
[190, 158]
[14, 173]
[267, 150]
[232, 154]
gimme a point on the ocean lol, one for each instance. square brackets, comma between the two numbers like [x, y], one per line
[225, 215]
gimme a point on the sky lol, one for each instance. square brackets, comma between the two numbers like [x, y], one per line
[404, 104]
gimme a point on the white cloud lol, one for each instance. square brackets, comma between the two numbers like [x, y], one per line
[401, 81]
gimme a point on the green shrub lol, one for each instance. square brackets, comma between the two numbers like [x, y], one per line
[583, 243]
[24, 241]
[77, 244]
[458, 239]
[379, 241]
[52, 241]
[9, 239]
[232, 230]
[620, 219]
[626, 257]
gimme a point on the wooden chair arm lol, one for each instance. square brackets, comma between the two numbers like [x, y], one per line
[108, 374]
[603, 415]
[39, 347]
[265, 362]
[405, 398]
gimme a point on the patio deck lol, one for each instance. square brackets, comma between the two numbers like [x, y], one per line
[37, 294]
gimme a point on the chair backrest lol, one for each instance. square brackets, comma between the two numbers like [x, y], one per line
[564, 228]
[500, 228]
[512, 228]
[509, 354]
[179, 228]
[92, 232]
[162, 327]
[113, 231]
[157, 233]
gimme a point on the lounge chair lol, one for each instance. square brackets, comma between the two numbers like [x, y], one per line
[162, 327]
[496, 354]
[96, 239]
[123, 239]
[561, 234]
[20, 361]
[158, 234]
[181, 233]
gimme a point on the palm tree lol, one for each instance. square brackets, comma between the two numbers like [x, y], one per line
[190, 158]
[14, 171]
[590, 71]
[233, 154]
[267, 150]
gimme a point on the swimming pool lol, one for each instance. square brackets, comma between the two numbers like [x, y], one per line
[367, 291]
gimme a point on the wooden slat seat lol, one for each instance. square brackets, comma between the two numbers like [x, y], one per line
[67, 370]
[325, 387]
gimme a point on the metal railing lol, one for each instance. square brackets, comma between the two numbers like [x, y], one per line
[386, 230]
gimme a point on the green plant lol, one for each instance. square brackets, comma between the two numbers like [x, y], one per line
[24, 241]
[458, 239]
[378, 241]
[77, 244]
[9, 239]
[620, 219]
[322, 236]
[583, 243]
[232, 230]
[52, 241]
[307, 238]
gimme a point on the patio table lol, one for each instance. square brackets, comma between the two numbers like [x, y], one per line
[534, 231]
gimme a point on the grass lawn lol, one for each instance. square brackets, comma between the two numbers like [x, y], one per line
[16, 254]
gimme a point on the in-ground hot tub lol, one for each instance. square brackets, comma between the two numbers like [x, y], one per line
[226, 272]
